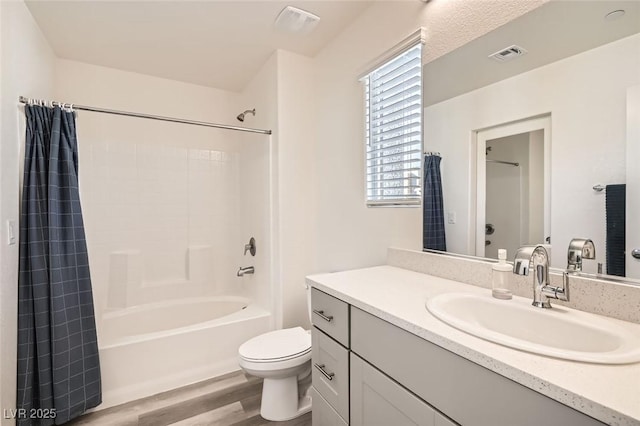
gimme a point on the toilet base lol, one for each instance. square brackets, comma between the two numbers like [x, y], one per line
[280, 401]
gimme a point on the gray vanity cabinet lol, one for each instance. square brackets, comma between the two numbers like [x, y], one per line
[385, 376]
[466, 392]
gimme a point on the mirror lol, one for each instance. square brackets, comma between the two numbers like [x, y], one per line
[539, 144]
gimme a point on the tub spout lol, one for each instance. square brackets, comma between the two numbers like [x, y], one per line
[247, 270]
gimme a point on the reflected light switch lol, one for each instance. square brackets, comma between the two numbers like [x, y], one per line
[451, 218]
[11, 232]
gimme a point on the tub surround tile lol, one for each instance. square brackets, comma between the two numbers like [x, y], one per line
[398, 296]
[615, 300]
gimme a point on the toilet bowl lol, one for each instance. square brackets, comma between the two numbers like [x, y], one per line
[283, 359]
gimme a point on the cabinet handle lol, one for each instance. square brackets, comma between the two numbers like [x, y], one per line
[320, 367]
[327, 318]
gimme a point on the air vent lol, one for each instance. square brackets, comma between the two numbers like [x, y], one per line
[294, 20]
[508, 53]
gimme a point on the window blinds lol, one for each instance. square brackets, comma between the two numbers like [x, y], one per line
[393, 97]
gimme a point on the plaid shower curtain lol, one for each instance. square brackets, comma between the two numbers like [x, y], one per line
[433, 212]
[58, 366]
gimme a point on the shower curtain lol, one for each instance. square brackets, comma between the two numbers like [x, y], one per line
[433, 212]
[58, 366]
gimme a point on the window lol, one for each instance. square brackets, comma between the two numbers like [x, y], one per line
[393, 98]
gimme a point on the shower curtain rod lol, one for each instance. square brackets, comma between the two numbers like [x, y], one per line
[25, 100]
[503, 162]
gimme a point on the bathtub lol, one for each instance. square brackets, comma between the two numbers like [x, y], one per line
[156, 347]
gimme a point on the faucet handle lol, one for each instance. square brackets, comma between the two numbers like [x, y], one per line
[251, 247]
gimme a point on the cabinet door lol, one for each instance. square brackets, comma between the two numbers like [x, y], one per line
[443, 421]
[377, 400]
[323, 414]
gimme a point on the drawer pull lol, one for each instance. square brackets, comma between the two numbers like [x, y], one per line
[320, 367]
[321, 314]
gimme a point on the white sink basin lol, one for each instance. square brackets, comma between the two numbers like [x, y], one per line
[557, 332]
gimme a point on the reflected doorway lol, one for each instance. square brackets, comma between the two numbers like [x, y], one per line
[512, 192]
[514, 189]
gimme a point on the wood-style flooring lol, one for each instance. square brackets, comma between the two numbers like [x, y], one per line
[229, 400]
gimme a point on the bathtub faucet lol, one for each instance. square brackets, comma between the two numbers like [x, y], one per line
[246, 270]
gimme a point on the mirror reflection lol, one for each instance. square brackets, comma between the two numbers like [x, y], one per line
[541, 147]
[514, 192]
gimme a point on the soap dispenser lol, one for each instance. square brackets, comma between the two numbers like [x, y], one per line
[500, 276]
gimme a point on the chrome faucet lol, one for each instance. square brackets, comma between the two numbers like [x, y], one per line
[536, 257]
[579, 248]
[247, 270]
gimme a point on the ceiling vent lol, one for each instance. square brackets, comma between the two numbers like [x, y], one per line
[508, 53]
[294, 20]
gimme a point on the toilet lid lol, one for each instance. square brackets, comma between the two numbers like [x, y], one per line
[277, 344]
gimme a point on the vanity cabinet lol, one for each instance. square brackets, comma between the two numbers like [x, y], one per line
[466, 392]
[397, 378]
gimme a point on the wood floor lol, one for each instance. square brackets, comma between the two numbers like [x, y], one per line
[230, 400]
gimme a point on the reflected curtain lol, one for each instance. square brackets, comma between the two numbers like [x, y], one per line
[433, 236]
[58, 365]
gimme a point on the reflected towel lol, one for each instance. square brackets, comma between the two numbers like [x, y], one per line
[615, 212]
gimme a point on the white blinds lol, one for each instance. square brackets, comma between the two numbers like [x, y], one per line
[393, 95]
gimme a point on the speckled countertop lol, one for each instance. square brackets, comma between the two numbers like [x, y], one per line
[609, 393]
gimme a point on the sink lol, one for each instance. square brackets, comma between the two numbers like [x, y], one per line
[558, 332]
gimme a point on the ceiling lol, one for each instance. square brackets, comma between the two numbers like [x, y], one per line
[553, 31]
[219, 44]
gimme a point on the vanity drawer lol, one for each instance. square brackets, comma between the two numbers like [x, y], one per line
[322, 414]
[330, 315]
[330, 371]
[464, 391]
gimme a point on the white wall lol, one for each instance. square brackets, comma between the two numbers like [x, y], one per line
[259, 176]
[27, 69]
[296, 174]
[586, 96]
[535, 233]
[283, 94]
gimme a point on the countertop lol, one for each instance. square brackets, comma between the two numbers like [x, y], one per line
[609, 393]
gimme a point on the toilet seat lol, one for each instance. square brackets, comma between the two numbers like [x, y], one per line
[277, 346]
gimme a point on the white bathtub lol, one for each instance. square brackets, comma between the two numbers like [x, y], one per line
[153, 348]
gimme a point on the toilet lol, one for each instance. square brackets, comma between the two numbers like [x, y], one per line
[283, 359]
